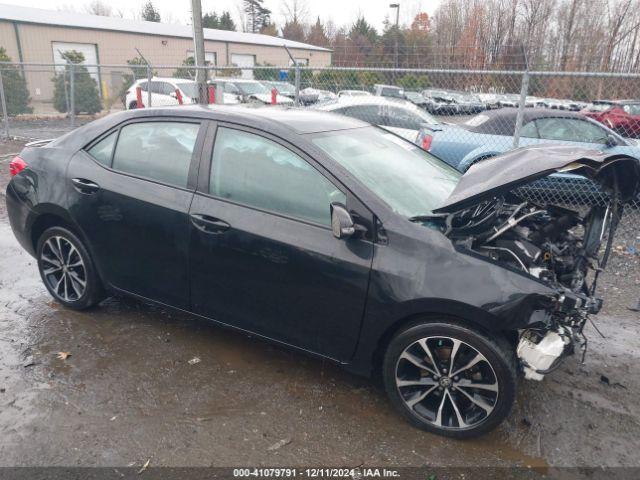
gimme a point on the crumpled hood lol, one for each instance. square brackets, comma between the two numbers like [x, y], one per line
[498, 175]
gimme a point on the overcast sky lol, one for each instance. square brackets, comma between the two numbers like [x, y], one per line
[340, 11]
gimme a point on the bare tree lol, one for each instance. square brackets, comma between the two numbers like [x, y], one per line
[98, 7]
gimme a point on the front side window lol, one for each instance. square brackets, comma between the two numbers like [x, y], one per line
[157, 150]
[408, 179]
[529, 130]
[366, 113]
[255, 171]
[102, 150]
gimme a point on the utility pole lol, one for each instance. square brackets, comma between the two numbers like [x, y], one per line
[198, 44]
[397, 7]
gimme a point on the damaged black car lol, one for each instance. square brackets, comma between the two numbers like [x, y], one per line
[325, 234]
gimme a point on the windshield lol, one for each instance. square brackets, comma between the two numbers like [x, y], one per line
[413, 96]
[282, 87]
[251, 88]
[189, 89]
[408, 179]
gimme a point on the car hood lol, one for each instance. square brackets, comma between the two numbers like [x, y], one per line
[499, 175]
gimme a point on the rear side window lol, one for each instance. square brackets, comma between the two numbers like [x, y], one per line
[157, 150]
[102, 150]
[257, 172]
[366, 113]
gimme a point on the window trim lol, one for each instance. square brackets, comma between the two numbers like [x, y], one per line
[207, 164]
[195, 162]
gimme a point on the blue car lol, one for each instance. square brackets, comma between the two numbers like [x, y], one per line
[491, 133]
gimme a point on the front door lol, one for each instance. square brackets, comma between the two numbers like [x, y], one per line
[263, 257]
[130, 194]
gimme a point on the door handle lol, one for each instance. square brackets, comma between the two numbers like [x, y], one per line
[85, 186]
[208, 224]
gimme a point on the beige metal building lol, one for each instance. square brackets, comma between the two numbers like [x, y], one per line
[33, 35]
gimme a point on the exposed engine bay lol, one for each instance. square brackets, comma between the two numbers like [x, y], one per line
[554, 244]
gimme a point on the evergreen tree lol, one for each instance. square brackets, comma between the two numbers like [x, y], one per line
[15, 87]
[293, 30]
[226, 22]
[317, 35]
[222, 22]
[86, 97]
[149, 12]
[258, 16]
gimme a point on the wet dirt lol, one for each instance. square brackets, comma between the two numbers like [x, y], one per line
[128, 393]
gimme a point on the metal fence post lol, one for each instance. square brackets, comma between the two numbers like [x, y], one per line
[524, 89]
[149, 76]
[297, 84]
[72, 94]
[3, 99]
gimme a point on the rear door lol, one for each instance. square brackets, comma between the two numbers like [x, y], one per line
[130, 194]
[263, 257]
[163, 94]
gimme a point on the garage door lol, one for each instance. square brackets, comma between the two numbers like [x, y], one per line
[88, 50]
[242, 60]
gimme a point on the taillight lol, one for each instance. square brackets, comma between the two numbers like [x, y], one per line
[16, 166]
[426, 142]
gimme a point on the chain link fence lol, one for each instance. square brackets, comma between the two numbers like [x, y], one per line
[462, 116]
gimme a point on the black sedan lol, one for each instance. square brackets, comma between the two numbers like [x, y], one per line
[326, 234]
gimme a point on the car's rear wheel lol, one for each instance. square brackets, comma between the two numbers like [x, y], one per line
[449, 379]
[133, 105]
[67, 270]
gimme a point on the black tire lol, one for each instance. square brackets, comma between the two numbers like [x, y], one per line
[133, 105]
[79, 267]
[498, 362]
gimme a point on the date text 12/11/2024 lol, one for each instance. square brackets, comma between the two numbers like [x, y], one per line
[355, 473]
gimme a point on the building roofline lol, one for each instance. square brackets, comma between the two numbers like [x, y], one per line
[38, 16]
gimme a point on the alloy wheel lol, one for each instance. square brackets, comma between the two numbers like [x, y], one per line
[63, 268]
[447, 383]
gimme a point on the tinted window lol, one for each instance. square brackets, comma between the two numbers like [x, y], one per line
[367, 113]
[157, 150]
[258, 172]
[401, 118]
[231, 88]
[570, 129]
[102, 150]
[143, 86]
[529, 130]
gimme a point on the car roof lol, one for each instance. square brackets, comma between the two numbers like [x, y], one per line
[238, 80]
[165, 79]
[617, 102]
[283, 121]
[503, 120]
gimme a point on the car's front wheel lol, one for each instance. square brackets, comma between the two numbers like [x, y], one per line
[449, 379]
[67, 270]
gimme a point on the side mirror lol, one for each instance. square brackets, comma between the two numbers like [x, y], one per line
[612, 141]
[341, 222]
[173, 95]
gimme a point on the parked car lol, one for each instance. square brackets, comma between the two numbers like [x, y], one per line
[509, 100]
[324, 234]
[398, 116]
[440, 102]
[416, 98]
[491, 133]
[319, 95]
[289, 91]
[622, 116]
[164, 92]
[489, 99]
[468, 103]
[388, 91]
[353, 93]
[248, 91]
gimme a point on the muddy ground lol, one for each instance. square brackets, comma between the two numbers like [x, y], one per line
[128, 394]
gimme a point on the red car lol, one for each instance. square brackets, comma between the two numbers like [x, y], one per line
[622, 116]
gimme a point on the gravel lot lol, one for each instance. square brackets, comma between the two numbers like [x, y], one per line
[128, 394]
